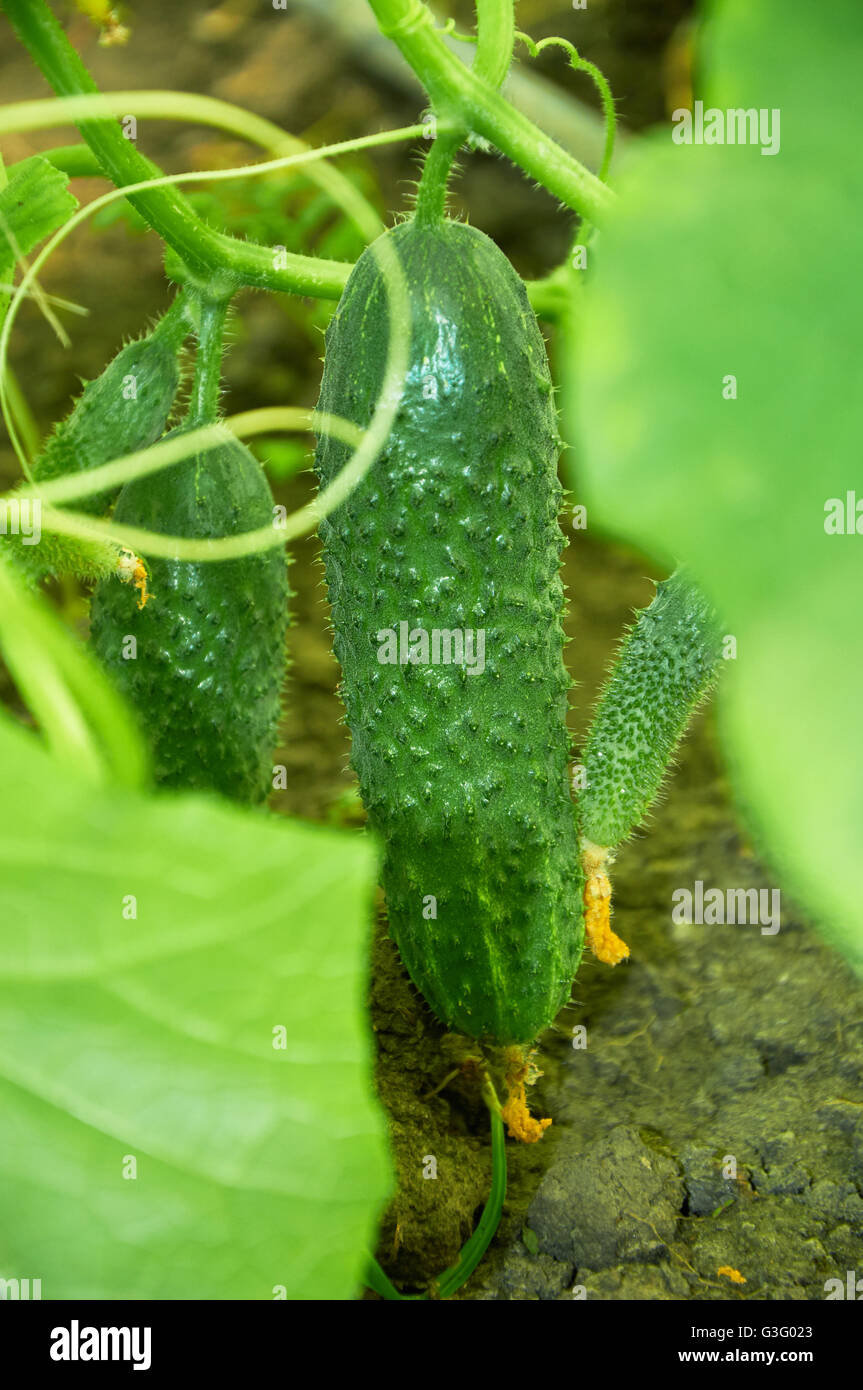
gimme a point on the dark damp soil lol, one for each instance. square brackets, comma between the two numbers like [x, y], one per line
[711, 1130]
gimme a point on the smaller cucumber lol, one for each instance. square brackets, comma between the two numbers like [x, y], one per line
[665, 667]
[209, 655]
[126, 408]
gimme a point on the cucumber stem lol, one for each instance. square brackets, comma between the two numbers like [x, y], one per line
[433, 185]
[495, 27]
[207, 255]
[466, 98]
[175, 324]
[203, 405]
[162, 208]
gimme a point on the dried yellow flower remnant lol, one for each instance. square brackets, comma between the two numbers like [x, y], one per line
[521, 1072]
[132, 570]
[733, 1274]
[603, 942]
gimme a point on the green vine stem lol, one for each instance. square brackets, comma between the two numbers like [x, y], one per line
[473, 1250]
[164, 210]
[495, 25]
[433, 185]
[465, 98]
[323, 279]
[476, 1246]
[210, 252]
[206, 252]
[165, 105]
[204, 401]
[495, 28]
[72, 486]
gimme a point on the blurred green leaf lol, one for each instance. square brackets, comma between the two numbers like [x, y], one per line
[34, 202]
[283, 457]
[724, 261]
[152, 1039]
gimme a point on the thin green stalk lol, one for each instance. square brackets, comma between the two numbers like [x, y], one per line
[434, 183]
[464, 97]
[204, 402]
[199, 110]
[28, 430]
[473, 1250]
[459, 1273]
[205, 252]
[79, 161]
[163, 209]
[72, 486]
[600, 82]
[495, 25]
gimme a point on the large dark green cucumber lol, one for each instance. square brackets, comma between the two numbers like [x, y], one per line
[464, 773]
[209, 660]
[126, 408]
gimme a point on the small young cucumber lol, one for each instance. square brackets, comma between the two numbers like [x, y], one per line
[443, 574]
[126, 408]
[205, 670]
[664, 669]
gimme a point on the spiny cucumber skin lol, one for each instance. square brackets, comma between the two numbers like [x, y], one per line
[665, 667]
[56, 554]
[107, 423]
[206, 682]
[465, 777]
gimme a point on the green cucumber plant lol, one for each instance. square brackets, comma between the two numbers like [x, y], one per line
[437, 453]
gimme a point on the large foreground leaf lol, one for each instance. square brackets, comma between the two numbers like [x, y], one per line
[725, 261]
[146, 1044]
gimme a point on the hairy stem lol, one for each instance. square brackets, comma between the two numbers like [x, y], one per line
[465, 98]
[204, 402]
[432, 192]
[206, 253]
[495, 25]
[163, 209]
